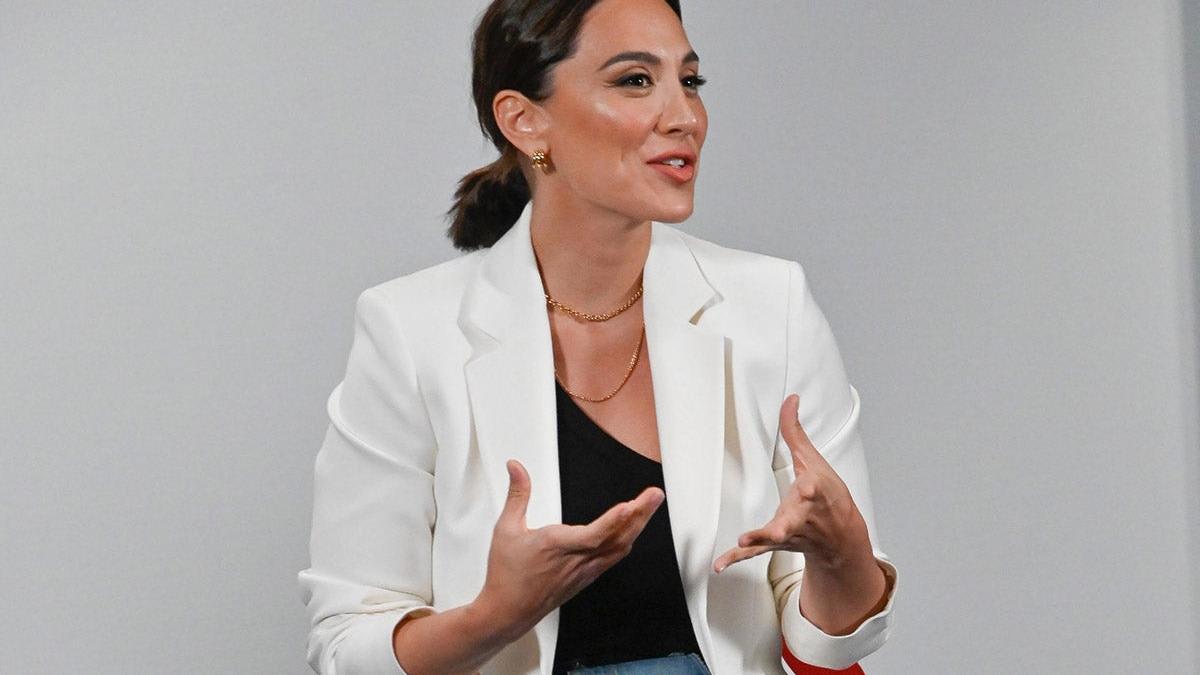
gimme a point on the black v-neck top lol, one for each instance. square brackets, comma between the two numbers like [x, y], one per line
[636, 609]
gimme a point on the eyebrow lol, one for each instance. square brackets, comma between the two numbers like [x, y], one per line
[646, 57]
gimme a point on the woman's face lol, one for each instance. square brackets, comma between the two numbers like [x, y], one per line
[609, 121]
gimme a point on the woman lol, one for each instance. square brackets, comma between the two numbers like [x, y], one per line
[565, 451]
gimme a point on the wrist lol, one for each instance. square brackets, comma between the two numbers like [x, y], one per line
[487, 618]
[838, 600]
[859, 573]
[853, 558]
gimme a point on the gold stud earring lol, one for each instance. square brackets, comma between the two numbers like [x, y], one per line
[539, 161]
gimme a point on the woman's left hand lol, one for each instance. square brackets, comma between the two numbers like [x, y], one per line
[817, 517]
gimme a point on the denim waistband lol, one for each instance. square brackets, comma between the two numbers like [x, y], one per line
[674, 664]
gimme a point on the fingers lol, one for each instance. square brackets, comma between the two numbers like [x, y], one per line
[616, 518]
[788, 541]
[794, 434]
[789, 521]
[519, 487]
[768, 535]
[621, 523]
[738, 554]
[774, 536]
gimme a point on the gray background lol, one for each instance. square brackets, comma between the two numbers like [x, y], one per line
[991, 200]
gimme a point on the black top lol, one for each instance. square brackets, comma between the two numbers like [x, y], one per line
[636, 609]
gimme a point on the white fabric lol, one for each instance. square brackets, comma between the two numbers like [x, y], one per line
[450, 374]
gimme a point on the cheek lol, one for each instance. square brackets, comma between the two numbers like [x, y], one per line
[606, 145]
[621, 129]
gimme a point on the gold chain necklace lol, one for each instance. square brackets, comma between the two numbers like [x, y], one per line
[603, 317]
[628, 371]
[595, 317]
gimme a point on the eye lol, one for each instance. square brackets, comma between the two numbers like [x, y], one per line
[626, 80]
[693, 82]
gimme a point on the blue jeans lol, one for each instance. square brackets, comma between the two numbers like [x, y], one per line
[675, 664]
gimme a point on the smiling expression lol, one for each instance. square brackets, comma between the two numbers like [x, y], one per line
[627, 99]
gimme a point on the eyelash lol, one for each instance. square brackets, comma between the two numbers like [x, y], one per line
[699, 80]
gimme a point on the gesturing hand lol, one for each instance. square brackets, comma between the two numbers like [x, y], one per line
[817, 516]
[531, 572]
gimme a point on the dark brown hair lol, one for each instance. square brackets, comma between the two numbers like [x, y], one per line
[516, 45]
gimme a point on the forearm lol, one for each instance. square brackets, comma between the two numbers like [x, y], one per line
[838, 596]
[459, 640]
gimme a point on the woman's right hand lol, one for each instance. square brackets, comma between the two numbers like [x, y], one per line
[531, 572]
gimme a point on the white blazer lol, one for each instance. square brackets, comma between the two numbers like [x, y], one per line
[451, 374]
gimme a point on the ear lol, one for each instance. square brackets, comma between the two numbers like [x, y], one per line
[523, 122]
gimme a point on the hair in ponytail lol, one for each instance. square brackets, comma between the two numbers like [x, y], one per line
[516, 45]
[487, 203]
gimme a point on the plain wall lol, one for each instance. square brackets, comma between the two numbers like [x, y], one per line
[991, 201]
[1190, 145]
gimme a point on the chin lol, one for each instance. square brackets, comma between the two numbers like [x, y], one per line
[675, 214]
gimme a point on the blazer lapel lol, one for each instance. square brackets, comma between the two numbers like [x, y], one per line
[687, 366]
[510, 386]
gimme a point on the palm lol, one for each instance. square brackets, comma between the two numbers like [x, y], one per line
[816, 516]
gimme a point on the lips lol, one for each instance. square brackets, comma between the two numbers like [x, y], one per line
[680, 174]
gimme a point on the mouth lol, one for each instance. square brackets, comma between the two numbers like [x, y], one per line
[680, 167]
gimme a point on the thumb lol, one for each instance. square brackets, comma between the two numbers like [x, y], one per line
[794, 435]
[518, 493]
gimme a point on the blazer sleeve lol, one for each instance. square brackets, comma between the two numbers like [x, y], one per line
[829, 412]
[373, 508]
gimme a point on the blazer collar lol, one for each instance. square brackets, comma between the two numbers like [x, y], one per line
[510, 386]
[513, 297]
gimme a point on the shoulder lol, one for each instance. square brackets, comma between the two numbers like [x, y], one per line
[758, 282]
[728, 261]
[432, 285]
[422, 305]
[430, 293]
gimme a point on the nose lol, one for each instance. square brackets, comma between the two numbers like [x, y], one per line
[679, 112]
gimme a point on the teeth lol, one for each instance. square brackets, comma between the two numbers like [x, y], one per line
[675, 161]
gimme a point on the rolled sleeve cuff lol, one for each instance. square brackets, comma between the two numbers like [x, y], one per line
[368, 647]
[815, 647]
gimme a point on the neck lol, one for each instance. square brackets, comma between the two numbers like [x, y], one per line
[590, 258]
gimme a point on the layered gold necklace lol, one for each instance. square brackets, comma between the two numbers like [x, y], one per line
[603, 317]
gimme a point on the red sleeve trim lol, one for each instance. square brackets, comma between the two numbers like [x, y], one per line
[799, 667]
